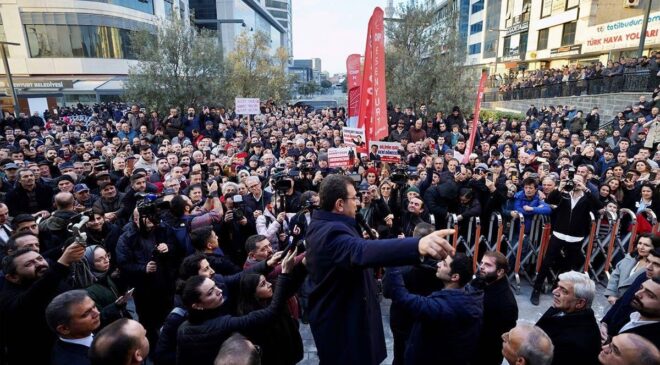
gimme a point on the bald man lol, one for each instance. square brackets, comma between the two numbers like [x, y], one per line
[629, 349]
[527, 344]
[123, 342]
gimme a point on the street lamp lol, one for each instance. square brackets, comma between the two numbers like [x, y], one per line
[497, 46]
[10, 81]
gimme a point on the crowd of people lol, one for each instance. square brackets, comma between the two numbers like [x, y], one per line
[198, 237]
[577, 76]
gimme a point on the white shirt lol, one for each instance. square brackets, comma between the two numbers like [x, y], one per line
[85, 341]
[635, 321]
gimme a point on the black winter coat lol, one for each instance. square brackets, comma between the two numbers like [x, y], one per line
[200, 337]
[17, 200]
[500, 315]
[576, 336]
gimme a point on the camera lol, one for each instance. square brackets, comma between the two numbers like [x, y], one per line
[306, 166]
[399, 175]
[238, 211]
[282, 181]
[151, 206]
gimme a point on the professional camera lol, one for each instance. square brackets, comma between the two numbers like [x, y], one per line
[151, 206]
[570, 185]
[306, 166]
[238, 211]
[282, 180]
[400, 175]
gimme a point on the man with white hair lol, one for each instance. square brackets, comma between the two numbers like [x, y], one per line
[527, 344]
[570, 322]
[257, 199]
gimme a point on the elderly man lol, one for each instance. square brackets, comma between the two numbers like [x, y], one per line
[629, 349]
[527, 344]
[570, 322]
[123, 342]
[73, 317]
[257, 199]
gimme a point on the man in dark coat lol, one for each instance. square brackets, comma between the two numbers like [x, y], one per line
[29, 196]
[30, 285]
[620, 312]
[646, 320]
[570, 322]
[73, 317]
[500, 307]
[344, 313]
[447, 322]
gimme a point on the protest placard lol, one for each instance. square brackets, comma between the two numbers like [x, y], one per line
[353, 136]
[341, 157]
[387, 151]
[247, 106]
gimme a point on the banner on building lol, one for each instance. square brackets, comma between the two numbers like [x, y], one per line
[620, 34]
[354, 137]
[475, 119]
[341, 157]
[247, 106]
[387, 151]
[373, 99]
[353, 80]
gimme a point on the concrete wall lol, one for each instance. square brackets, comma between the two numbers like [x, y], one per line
[609, 104]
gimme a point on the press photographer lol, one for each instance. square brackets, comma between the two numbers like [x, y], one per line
[145, 261]
[571, 204]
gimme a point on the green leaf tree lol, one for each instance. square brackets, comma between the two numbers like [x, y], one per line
[178, 65]
[425, 59]
[253, 72]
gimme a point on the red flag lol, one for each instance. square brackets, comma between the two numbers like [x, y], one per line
[373, 100]
[475, 120]
[353, 80]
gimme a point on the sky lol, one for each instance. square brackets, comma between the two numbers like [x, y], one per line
[331, 30]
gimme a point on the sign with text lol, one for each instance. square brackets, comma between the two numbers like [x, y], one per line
[624, 33]
[573, 50]
[517, 28]
[353, 136]
[341, 157]
[247, 106]
[387, 151]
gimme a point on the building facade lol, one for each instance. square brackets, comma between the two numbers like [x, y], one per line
[73, 51]
[232, 17]
[281, 11]
[531, 34]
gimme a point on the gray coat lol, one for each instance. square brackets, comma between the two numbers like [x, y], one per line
[621, 277]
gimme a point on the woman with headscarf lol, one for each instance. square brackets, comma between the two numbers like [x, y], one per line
[104, 291]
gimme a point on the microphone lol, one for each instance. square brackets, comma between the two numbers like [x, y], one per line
[359, 218]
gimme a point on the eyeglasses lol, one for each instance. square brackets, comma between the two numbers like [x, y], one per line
[352, 198]
[103, 258]
[252, 186]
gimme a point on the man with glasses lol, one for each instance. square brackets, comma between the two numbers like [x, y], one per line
[629, 349]
[257, 198]
[344, 313]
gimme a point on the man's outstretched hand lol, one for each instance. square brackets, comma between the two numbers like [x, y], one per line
[436, 245]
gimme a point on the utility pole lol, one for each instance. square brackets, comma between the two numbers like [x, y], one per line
[10, 81]
[645, 22]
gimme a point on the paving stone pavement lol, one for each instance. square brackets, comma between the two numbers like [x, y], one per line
[527, 311]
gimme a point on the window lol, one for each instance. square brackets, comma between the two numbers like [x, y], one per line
[570, 4]
[476, 27]
[277, 4]
[474, 48]
[478, 6]
[543, 39]
[84, 41]
[568, 34]
[506, 48]
[146, 6]
[169, 8]
[546, 8]
[522, 46]
[278, 14]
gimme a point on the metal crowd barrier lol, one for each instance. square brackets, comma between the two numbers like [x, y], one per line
[618, 243]
[595, 248]
[452, 223]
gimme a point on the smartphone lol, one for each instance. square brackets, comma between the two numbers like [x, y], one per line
[130, 163]
[630, 176]
[489, 176]
[514, 173]
[208, 154]
[130, 291]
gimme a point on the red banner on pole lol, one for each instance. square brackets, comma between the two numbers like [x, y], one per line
[373, 100]
[353, 77]
[475, 119]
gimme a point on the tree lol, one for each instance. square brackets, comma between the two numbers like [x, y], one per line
[326, 84]
[308, 88]
[178, 65]
[425, 60]
[254, 73]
